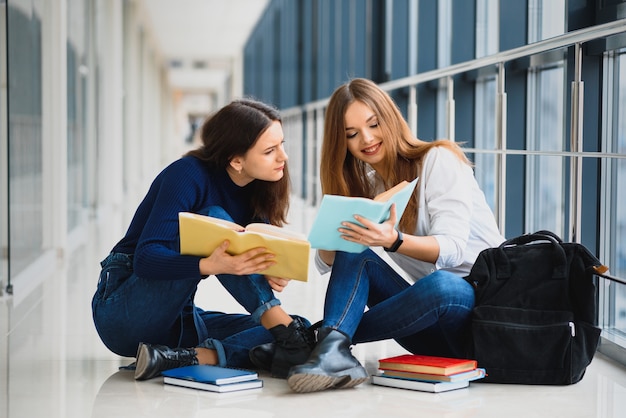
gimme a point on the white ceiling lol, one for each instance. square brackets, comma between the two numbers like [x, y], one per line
[202, 32]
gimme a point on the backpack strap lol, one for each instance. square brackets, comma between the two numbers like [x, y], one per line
[559, 258]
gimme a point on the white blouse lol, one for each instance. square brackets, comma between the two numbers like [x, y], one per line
[452, 208]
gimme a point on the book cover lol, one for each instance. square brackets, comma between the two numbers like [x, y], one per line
[457, 377]
[230, 387]
[427, 364]
[335, 209]
[211, 374]
[200, 235]
[434, 387]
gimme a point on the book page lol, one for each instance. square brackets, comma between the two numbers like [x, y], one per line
[219, 221]
[384, 196]
[200, 235]
[275, 231]
[336, 209]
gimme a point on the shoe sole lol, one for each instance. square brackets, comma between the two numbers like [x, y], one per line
[307, 382]
[141, 362]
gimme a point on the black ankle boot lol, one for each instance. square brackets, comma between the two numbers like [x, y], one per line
[152, 359]
[292, 346]
[331, 365]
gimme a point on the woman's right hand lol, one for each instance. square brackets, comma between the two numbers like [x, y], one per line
[250, 262]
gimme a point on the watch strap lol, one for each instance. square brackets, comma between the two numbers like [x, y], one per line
[394, 247]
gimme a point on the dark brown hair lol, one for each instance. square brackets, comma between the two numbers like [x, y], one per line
[231, 132]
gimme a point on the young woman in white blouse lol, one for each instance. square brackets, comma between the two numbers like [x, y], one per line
[368, 148]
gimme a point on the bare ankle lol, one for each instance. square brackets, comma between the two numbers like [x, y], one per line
[275, 316]
[206, 355]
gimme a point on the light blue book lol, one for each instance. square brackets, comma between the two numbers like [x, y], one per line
[335, 209]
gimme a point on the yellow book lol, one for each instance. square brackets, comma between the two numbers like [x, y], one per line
[200, 235]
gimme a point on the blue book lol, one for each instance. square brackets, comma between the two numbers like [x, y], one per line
[213, 375]
[335, 209]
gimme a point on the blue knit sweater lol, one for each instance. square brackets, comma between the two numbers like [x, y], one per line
[186, 185]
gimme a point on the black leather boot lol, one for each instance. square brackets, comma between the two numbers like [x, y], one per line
[152, 359]
[292, 346]
[331, 365]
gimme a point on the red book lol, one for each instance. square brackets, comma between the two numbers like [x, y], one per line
[415, 363]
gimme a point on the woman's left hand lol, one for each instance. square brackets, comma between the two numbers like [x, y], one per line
[276, 283]
[371, 234]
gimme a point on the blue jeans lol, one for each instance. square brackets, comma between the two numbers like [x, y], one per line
[430, 317]
[128, 309]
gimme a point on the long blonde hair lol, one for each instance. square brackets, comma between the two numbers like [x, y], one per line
[343, 174]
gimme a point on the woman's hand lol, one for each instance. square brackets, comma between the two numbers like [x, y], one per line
[277, 283]
[371, 233]
[250, 262]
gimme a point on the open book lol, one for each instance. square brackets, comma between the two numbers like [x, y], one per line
[335, 209]
[200, 235]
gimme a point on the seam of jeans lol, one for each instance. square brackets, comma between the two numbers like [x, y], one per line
[357, 283]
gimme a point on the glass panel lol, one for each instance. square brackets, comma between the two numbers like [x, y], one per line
[77, 72]
[24, 134]
[485, 164]
[547, 19]
[487, 36]
[545, 192]
[444, 50]
[620, 171]
[487, 25]
[617, 262]
[4, 204]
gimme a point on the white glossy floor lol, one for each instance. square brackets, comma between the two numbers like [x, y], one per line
[53, 364]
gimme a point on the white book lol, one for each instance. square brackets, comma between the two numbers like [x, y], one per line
[230, 387]
[420, 385]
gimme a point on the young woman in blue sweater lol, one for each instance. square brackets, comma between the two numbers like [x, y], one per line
[144, 302]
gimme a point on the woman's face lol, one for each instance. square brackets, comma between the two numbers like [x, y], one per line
[264, 161]
[363, 134]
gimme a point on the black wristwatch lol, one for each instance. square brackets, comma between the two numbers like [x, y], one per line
[394, 247]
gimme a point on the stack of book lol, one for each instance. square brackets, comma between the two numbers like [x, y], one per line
[427, 373]
[212, 378]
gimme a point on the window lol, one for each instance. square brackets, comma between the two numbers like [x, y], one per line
[77, 107]
[444, 49]
[24, 27]
[487, 35]
[546, 181]
[613, 254]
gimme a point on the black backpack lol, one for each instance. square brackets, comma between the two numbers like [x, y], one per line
[535, 312]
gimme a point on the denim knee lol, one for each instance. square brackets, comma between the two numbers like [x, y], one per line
[449, 288]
